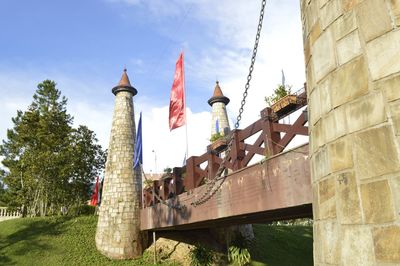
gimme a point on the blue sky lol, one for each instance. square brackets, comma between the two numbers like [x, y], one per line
[84, 45]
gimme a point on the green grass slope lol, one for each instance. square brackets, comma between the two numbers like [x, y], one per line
[53, 241]
[70, 241]
[282, 245]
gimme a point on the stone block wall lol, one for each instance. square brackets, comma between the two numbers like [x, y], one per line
[352, 56]
[118, 230]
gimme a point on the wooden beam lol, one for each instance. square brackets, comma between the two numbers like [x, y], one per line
[276, 189]
[289, 128]
[297, 126]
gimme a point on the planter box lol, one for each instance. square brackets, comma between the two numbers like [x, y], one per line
[219, 145]
[285, 104]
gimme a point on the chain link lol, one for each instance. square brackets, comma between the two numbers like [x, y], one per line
[211, 189]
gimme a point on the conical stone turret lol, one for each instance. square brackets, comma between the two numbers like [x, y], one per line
[118, 230]
[219, 118]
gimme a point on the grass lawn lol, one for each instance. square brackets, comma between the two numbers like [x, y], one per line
[282, 245]
[53, 241]
[70, 241]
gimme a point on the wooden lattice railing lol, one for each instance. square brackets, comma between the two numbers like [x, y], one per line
[269, 142]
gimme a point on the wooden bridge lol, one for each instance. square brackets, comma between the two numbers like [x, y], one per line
[276, 188]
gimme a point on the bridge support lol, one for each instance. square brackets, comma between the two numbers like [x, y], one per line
[353, 77]
[118, 233]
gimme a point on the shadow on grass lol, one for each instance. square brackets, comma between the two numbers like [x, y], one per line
[27, 235]
[282, 245]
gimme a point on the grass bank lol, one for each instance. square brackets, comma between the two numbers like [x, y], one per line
[70, 241]
[282, 245]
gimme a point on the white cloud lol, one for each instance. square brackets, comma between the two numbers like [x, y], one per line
[232, 26]
[280, 48]
[170, 146]
[97, 118]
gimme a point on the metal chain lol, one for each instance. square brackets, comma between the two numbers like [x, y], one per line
[210, 192]
[251, 68]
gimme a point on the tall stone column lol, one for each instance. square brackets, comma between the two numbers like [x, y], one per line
[218, 103]
[352, 54]
[118, 230]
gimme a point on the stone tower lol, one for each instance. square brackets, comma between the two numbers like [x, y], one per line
[118, 230]
[352, 55]
[218, 103]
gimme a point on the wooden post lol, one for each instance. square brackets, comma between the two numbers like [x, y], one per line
[237, 154]
[190, 173]
[155, 248]
[212, 165]
[272, 138]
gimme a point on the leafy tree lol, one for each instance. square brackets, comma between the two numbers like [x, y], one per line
[49, 163]
[87, 160]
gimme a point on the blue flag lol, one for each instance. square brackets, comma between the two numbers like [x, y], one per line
[138, 156]
[217, 126]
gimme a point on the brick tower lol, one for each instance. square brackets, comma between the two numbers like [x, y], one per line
[118, 230]
[219, 120]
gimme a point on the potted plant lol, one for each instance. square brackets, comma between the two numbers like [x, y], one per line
[281, 98]
[218, 142]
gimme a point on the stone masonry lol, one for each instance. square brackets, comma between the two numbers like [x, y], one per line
[352, 55]
[218, 103]
[118, 233]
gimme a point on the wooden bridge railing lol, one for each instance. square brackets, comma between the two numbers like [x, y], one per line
[269, 142]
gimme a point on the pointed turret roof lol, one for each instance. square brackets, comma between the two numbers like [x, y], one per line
[217, 90]
[124, 79]
[124, 84]
[218, 96]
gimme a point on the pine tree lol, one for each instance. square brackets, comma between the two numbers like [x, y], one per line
[41, 153]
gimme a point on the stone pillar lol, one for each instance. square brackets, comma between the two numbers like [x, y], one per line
[118, 230]
[352, 55]
[218, 103]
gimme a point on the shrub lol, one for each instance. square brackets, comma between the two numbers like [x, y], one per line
[216, 136]
[201, 256]
[81, 210]
[238, 251]
[278, 94]
[239, 256]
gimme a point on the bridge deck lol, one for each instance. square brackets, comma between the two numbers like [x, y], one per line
[279, 188]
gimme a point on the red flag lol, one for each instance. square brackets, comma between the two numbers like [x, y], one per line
[177, 101]
[95, 195]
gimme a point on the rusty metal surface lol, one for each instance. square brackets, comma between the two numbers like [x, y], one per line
[279, 188]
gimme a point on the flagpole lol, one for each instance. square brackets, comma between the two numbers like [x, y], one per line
[187, 141]
[184, 86]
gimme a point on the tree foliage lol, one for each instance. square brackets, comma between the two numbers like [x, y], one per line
[4, 195]
[50, 164]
